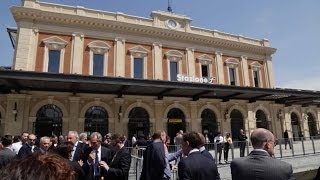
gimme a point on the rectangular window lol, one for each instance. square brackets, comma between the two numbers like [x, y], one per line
[97, 64]
[204, 70]
[173, 71]
[232, 75]
[138, 68]
[256, 78]
[54, 61]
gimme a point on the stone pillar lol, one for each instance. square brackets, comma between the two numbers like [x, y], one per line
[245, 74]
[26, 114]
[269, 73]
[318, 120]
[287, 122]
[24, 56]
[119, 57]
[158, 110]
[77, 53]
[250, 122]
[219, 66]
[14, 114]
[194, 121]
[157, 61]
[119, 125]
[304, 123]
[74, 124]
[190, 62]
[225, 123]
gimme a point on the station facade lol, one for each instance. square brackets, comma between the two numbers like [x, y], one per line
[60, 39]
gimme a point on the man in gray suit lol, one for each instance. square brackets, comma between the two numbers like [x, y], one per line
[260, 163]
[6, 155]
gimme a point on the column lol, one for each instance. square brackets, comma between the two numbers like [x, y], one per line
[158, 110]
[219, 66]
[24, 55]
[269, 73]
[225, 123]
[157, 61]
[287, 122]
[74, 115]
[14, 114]
[119, 126]
[195, 123]
[26, 114]
[77, 53]
[317, 119]
[190, 62]
[250, 122]
[304, 123]
[244, 68]
[119, 57]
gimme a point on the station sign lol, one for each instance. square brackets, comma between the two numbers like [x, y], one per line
[193, 79]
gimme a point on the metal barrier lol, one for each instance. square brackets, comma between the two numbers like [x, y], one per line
[283, 148]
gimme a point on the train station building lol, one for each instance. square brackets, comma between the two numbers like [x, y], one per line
[89, 70]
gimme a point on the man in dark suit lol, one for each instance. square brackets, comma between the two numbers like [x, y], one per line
[154, 160]
[6, 154]
[260, 163]
[78, 148]
[203, 150]
[29, 147]
[195, 166]
[242, 142]
[118, 168]
[93, 155]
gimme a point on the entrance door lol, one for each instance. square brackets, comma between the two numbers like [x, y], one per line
[236, 124]
[176, 122]
[209, 123]
[96, 120]
[139, 123]
[312, 125]
[261, 120]
[296, 129]
[48, 121]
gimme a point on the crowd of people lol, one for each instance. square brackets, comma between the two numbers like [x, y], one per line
[95, 157]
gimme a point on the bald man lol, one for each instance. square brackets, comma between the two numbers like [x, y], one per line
[260, 164]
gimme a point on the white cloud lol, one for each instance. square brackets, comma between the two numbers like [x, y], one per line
[309, 83]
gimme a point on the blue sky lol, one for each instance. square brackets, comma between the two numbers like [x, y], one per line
[291, 26]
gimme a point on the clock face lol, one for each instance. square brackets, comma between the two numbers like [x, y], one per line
[171, 24]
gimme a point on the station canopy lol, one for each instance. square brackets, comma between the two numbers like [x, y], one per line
[12, 81]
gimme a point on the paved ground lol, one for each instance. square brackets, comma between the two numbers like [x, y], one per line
[302, 158]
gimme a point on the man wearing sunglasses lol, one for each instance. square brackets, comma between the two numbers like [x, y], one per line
[29, 147]
[260, 163]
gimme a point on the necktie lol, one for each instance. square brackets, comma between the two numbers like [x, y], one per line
[96, 165]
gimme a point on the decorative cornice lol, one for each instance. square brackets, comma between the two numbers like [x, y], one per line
[102, 21]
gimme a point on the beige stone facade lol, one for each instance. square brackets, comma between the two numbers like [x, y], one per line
[78, 33]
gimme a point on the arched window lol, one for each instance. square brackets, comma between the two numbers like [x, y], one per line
[209, 122]
[236, 123]
[261, 120]
[48, 121]
[176, 122]
[312, 125]
[296, 129]
[96, 120]
[139, 124]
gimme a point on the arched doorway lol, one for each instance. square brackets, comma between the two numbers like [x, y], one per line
[176, 122]
[209, 123]
[296, 129]
[48, 121]
[139, 123]
[312, 125]
[236, 123]
[261, 120]
[96, 120]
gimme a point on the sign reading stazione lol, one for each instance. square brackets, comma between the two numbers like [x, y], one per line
[193, 79]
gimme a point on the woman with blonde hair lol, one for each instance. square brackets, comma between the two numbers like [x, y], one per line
[227, 144]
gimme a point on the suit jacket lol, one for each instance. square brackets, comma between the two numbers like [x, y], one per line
[79, 152]
[105, 156]
[260, 165]
[206, 154]
[26, 150]
[197, 167]
[119, 166]
[6, 156]
[154, 162]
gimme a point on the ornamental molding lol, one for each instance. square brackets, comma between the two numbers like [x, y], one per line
[99, 47]
[174, 55]
[255, 66]
[232, 63]
[204, 59]
[138, 51]
[55, 43]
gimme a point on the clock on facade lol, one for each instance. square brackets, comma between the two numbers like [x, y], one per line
[172, 24]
